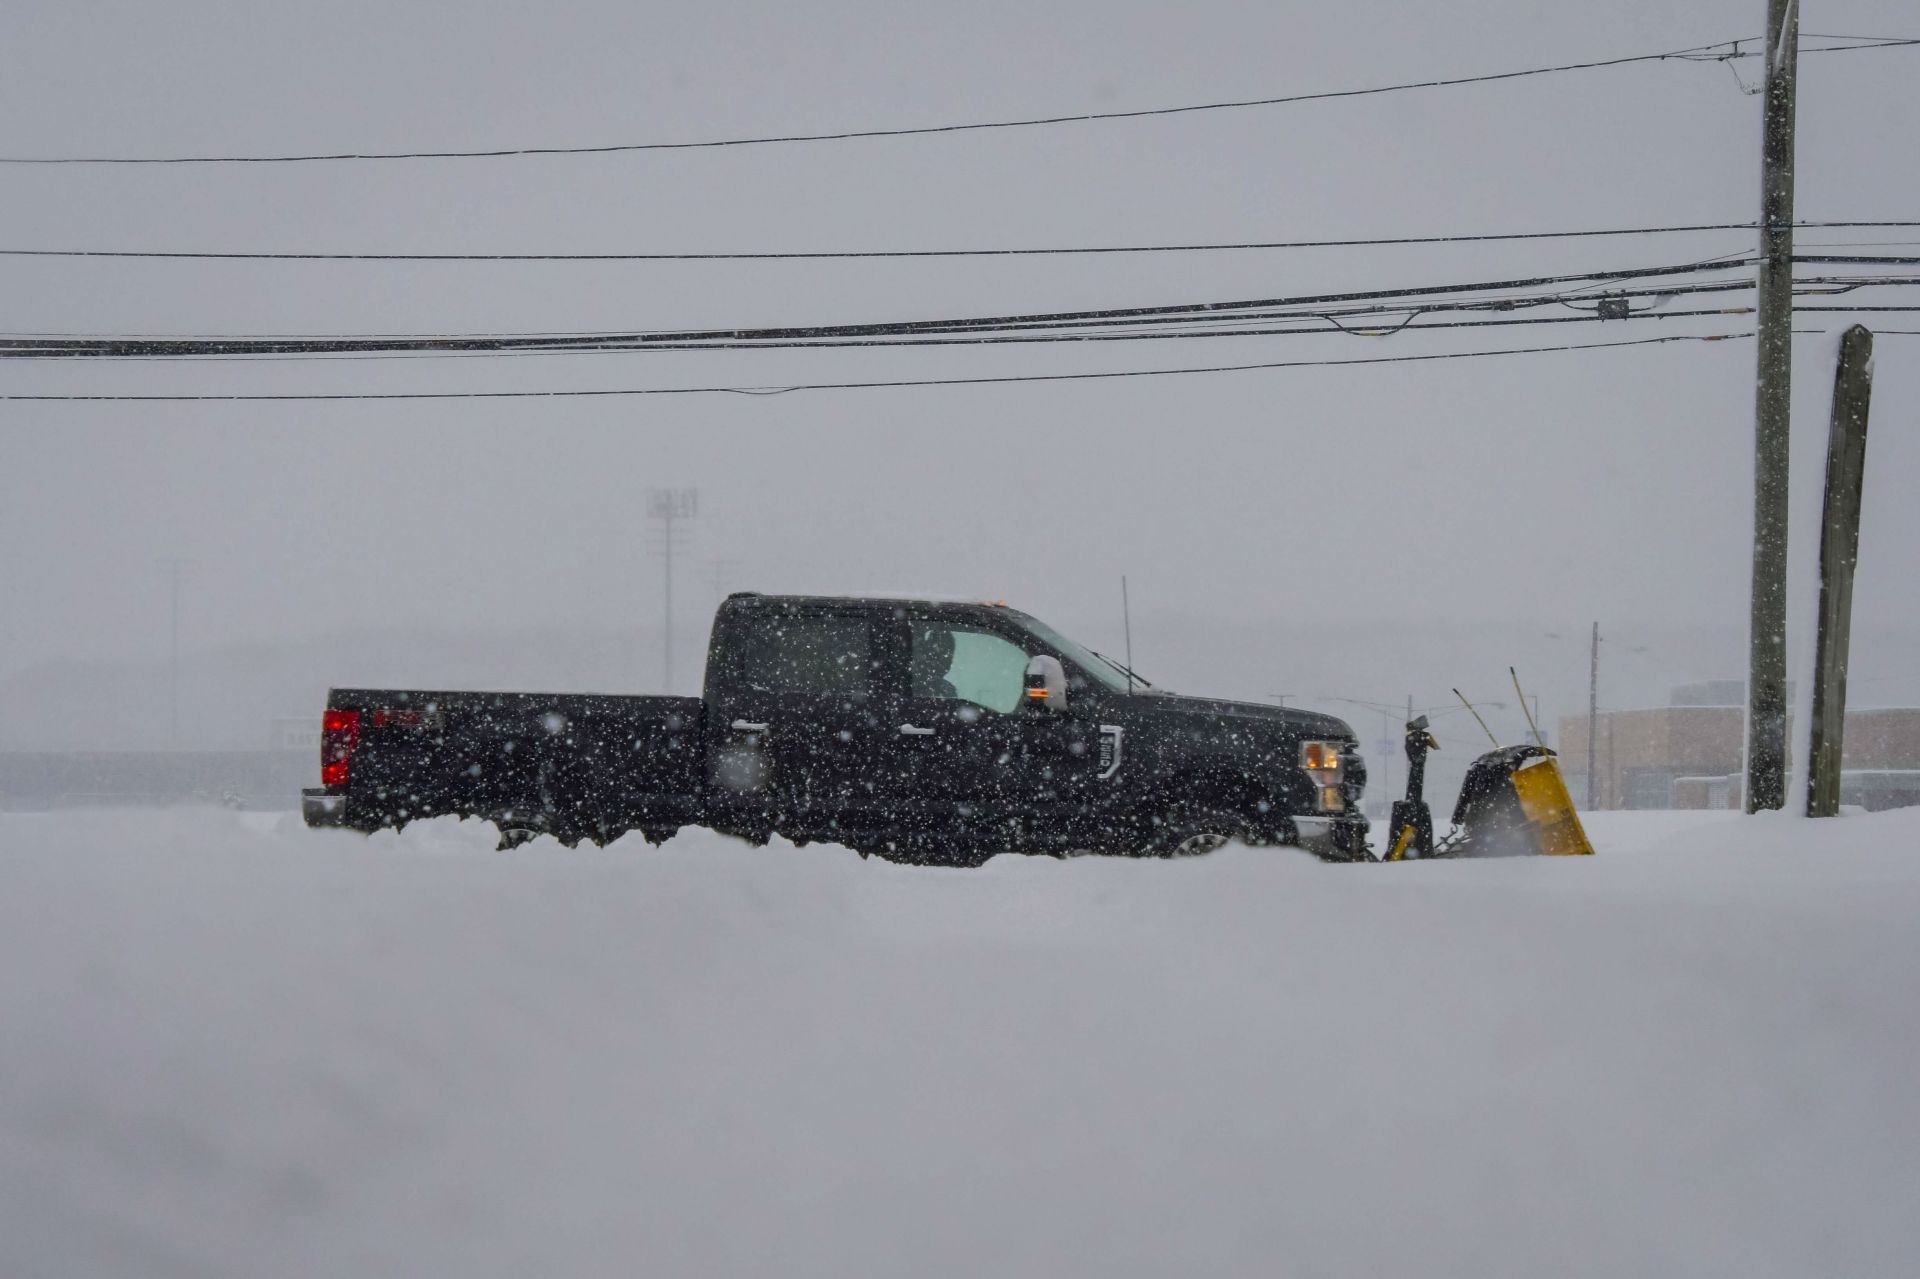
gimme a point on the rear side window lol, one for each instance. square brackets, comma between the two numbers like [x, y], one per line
[797, 653]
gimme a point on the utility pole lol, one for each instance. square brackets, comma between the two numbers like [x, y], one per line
[173, 565]
[1387, 743]
[1593, 719]
[665, 506]
[173, 653]
[1766, 782]
[1839, 552]
[1613, 787]
[666, 631]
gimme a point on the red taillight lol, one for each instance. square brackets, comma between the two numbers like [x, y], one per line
[339, 734]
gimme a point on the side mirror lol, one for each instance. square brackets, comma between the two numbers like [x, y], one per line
[1046, 684]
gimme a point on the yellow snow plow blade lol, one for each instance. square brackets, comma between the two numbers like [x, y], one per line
[1514, 803]
[1551, 818]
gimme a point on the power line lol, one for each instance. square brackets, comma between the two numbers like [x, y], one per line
[1871, 41]
[319, 352]
[1223, 310]
[1724, 51]
[1858, 259]
[863, 386]
[1410, 325]
[1411, 316]
[322, 354]
[228, 346]
[750, 339]
[1413, 310]
[1224, 247]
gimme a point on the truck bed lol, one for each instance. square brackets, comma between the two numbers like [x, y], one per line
[575, 765]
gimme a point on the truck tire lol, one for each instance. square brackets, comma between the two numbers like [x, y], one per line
[1191, 832]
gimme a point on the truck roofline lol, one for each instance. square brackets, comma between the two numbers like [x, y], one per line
[874, 597]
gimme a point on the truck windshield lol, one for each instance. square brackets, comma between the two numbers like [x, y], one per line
[1101, 672]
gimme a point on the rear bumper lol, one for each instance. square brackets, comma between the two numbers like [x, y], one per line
[322, 807]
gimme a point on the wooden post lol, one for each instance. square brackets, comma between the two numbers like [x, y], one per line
[1767, 633]
[1839, 552]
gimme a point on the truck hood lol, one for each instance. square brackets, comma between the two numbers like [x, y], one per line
[1290, 720]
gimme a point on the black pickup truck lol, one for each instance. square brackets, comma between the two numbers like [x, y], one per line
[917, 730]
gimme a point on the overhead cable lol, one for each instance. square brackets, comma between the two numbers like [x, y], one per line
[1300, 326]
[1723, 51]
[294, 344]
[570, 393]
[816, 255]
[1297, 325]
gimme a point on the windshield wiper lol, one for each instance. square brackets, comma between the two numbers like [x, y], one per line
[1133, 675]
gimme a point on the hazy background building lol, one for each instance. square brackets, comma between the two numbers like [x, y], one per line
[1689, 754]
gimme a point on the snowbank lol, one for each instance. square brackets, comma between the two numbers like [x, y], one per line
[238, 1047]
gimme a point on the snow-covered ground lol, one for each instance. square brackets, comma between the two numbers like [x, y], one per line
[231, 1046]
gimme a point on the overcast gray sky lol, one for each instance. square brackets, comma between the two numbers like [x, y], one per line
[1548, 488]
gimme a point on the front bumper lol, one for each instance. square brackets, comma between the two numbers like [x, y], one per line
[322, 807]
[1336, 838]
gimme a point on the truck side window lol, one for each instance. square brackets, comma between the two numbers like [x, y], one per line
[809, 654]
[963, 664]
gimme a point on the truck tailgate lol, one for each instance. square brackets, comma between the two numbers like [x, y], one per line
[579, 765]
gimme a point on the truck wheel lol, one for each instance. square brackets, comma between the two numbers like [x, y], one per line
[1189, 834]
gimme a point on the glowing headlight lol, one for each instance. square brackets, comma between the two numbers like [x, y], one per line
[1323, 760]
[1326, 766]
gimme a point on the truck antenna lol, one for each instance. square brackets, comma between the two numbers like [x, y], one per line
[1538, 740]
[1126, 626]
[1476, 717]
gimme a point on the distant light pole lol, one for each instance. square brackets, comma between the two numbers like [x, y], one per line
[1593, 713]
[1593, 719]
[724, 571]
[664, 507]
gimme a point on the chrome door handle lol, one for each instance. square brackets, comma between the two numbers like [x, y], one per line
[914, 730]
[741, 726]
